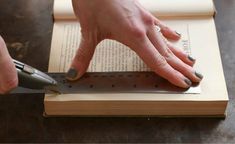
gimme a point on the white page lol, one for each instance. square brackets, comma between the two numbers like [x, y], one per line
[161, 8]
[198, 37]
[109, 55]
[203, 45]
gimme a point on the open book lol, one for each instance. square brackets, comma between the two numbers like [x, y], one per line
[192, 18]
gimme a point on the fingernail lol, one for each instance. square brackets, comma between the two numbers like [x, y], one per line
[191, 58]
[199, 75]
[188, 82]
[72, 73]
[177, 33]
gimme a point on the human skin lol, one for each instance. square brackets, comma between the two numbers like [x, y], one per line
[8, 74]
[126, 21]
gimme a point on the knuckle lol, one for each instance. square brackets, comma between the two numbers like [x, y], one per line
[160, 62]
[164, 27]
[86, 35]
[84, 53]
[168, 54]
[148, 20]
[92, 37]
[137, 32]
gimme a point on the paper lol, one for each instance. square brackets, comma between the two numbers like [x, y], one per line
[202, 44]
[109, 55]
[198, 38]
[161, 8]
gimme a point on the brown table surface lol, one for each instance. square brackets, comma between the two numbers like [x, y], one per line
[26, 26]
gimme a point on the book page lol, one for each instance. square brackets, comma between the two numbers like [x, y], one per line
[110, 55]
[161, 8]
[199, 38]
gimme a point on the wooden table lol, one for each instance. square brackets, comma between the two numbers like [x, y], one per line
[26, 25]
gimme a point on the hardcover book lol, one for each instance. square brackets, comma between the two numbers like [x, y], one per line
[194, 19]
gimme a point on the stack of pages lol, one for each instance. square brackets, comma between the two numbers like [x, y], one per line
[192, 18]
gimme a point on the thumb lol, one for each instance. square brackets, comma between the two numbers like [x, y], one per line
[81, 60]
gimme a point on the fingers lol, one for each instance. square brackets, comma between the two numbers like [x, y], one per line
[186, 58]
[158, 63]
[81, 61]
[166, 31]
[8, 74]
[159, 43]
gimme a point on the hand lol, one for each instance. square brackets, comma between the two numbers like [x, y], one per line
[129, 23]
[8, 74]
